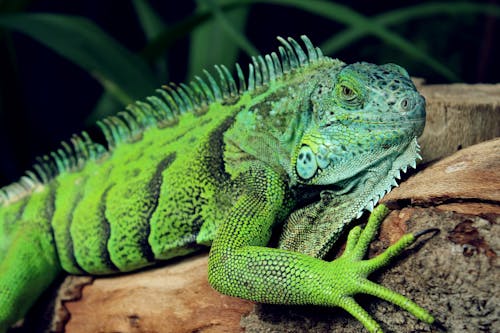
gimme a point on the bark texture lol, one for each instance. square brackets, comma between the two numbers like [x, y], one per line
[458, 116]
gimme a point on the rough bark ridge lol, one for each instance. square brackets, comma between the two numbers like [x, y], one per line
[454, 274]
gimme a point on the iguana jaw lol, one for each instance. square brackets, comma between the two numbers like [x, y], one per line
[349, 199]
[384, 185]
[401, 156]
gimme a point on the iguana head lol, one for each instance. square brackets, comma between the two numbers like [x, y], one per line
[360, 114]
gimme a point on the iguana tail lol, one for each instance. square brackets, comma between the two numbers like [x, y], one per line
[28, 258]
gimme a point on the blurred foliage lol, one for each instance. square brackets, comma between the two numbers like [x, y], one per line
[115, 55]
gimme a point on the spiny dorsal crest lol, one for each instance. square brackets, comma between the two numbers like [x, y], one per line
[164, 109]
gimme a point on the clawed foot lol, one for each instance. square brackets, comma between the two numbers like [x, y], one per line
[350, 272]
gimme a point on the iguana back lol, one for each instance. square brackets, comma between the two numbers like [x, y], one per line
[162, 177]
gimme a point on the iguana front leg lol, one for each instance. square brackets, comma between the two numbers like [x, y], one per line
[241, 266]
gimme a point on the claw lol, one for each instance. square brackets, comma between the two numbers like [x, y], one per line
[426, 231]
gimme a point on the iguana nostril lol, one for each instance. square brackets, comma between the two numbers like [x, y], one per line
[405, 104]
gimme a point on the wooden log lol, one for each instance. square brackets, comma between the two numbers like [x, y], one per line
[458, 116]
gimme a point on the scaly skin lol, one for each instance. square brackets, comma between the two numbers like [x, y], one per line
[208, 163]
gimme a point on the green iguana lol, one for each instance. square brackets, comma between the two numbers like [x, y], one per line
[222, 163]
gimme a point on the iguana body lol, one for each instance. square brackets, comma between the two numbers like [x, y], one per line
[223, 163]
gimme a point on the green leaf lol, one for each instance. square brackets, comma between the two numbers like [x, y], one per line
[157, 46]
[231, 30]
[213, 42]
[425, 10]
[401, 15]
[151, 23]
[351, 18]
[122, 73]
[361, 25]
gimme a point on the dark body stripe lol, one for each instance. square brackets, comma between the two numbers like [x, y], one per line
[155, 188]
[129, 208]
[68, 240]
[195, 190]
[213, 156]
[152, 198]
[212, 173]
[106, 233]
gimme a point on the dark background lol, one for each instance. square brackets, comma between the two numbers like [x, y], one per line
[45, 98]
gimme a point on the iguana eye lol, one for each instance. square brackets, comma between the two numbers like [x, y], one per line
[347, 93]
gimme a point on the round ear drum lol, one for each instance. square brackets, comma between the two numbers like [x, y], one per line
[306, 166]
